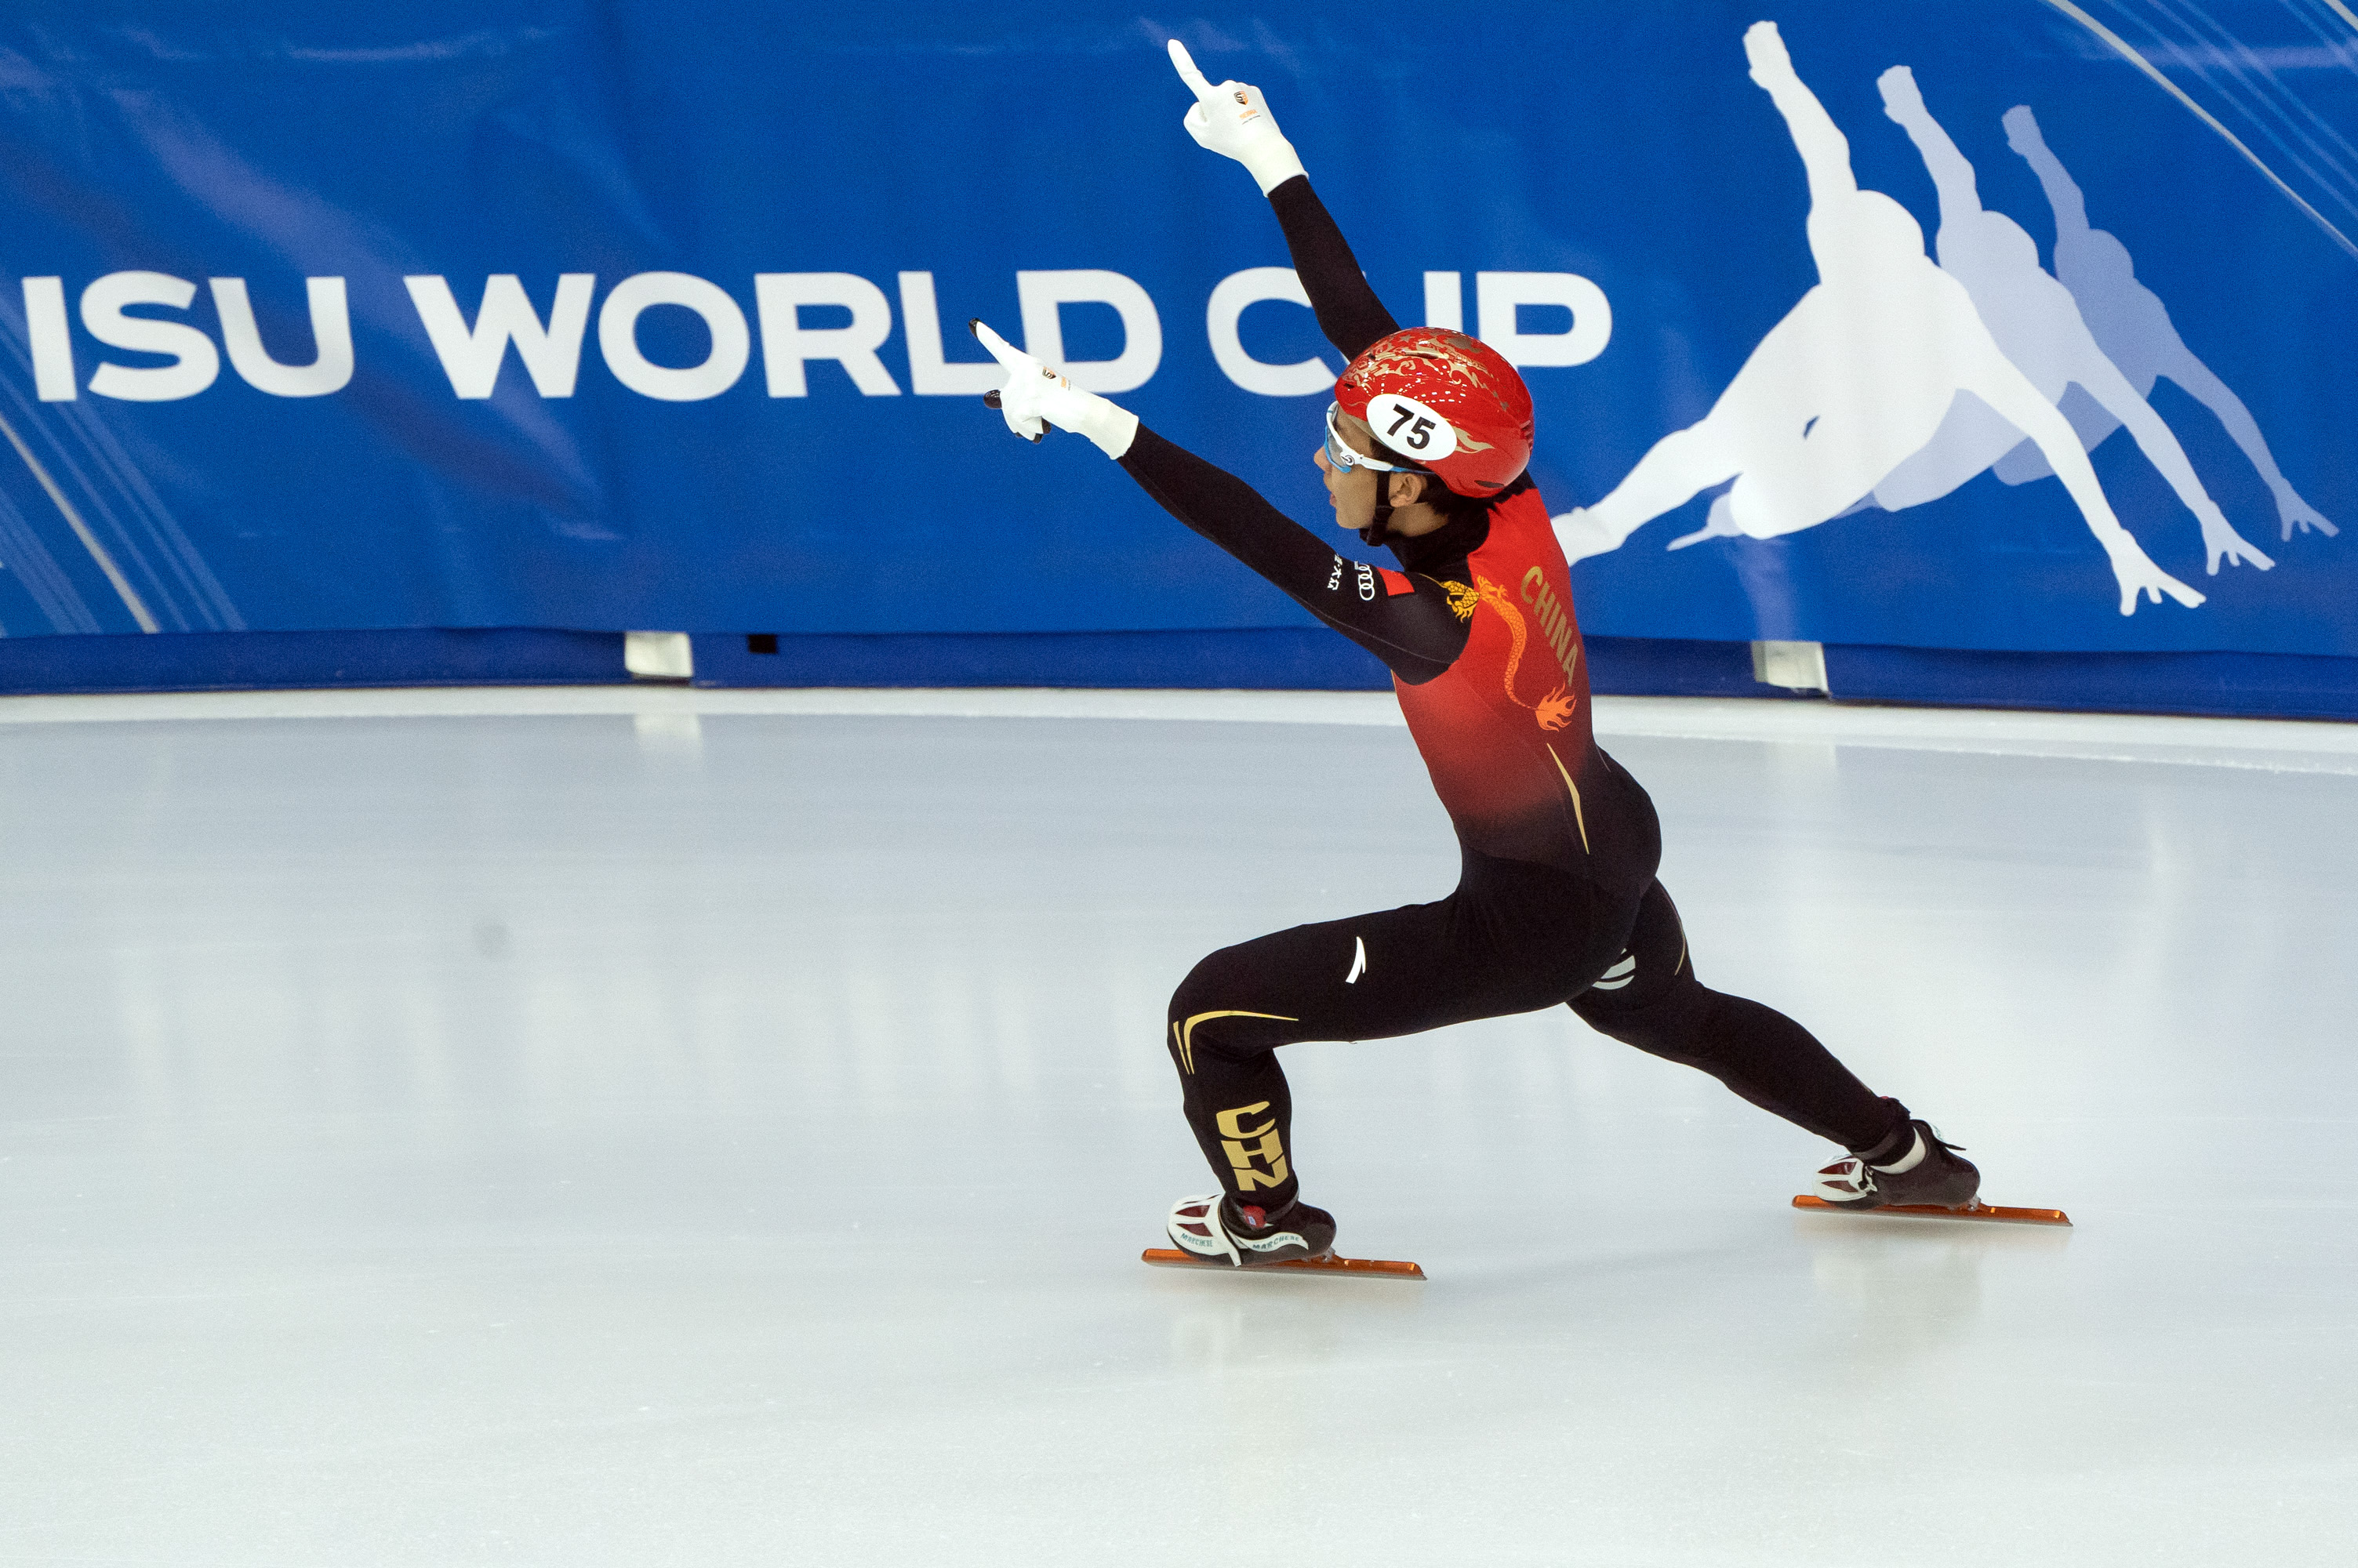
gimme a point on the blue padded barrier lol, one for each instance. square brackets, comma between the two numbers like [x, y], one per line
[377, 237]
[1671, 667]
[2245, 685]
[1265, 659]
[1277, 658]
[246, 661]
[2251, 685]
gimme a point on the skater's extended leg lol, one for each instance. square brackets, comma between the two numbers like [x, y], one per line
[1651, 999]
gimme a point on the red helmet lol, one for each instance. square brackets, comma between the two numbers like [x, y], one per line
[1447, 402]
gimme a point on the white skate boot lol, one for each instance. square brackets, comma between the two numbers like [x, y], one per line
[1912, 1166]
[1218, 1229]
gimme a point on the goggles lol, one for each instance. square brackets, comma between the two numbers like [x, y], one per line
[1344, 457]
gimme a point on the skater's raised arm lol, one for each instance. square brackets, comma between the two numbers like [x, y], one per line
[1347, 309]
[1231, 119]
[2062, 191]
[1825, 151]
[1412, 623]
[1416, 625]
[1952, 174]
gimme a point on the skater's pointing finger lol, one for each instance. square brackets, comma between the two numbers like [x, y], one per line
[1005, 352]
[1184, 63]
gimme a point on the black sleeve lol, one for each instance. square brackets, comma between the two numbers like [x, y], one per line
[1348, 311]
[1417, 634]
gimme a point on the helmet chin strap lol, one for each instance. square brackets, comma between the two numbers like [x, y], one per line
[1379, 525]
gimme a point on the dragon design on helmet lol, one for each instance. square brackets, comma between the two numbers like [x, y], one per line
[1462, 380]
[1416, 356]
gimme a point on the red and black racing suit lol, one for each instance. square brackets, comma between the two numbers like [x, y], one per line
[1558, 901]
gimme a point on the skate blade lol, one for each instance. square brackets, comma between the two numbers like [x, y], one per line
[1988, 1212]
[1373, 1268]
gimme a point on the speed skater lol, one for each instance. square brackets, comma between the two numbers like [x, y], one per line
[1425, 450]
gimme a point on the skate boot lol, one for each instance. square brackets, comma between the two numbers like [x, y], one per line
[1911, 1166]
[1217, 1228]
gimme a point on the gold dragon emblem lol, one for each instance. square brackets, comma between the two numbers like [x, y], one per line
[1552, 711]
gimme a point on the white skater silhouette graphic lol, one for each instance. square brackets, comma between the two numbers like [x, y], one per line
[2134, 329]
[1855, 380]
[2036, 322]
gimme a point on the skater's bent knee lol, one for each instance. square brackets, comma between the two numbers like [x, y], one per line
[1212, 978]
[1223, 1034]
[1213, 1014]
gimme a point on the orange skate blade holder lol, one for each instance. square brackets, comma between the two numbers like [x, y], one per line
[1987, 1213]
[1372, 1268]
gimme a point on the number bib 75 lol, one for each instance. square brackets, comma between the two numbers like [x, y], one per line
[1410, 429]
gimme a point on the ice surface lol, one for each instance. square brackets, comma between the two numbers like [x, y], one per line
[671, 1128]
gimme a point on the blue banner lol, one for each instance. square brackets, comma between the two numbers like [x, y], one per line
[620, 315]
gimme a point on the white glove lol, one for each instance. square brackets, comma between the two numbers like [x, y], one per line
[1231, 120]
[1036, 397]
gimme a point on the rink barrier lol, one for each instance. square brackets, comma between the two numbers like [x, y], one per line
[263, 661]
[1286, 658]
[2249, 686]
[2239, 685]
[1269, 659]
[2259, 686]
[325, 316]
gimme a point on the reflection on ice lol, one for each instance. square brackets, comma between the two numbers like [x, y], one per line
[1910, 1285]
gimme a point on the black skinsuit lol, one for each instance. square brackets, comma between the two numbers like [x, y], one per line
[1558, 901]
